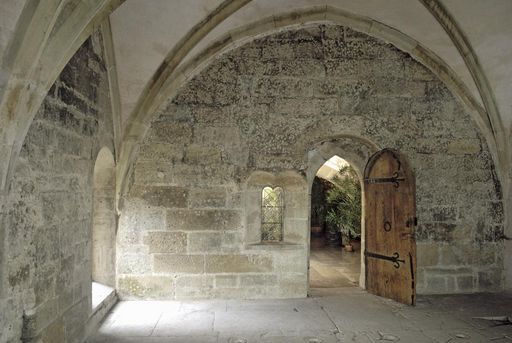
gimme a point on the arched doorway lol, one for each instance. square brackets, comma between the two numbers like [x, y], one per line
[103, 227]
[335, 230]
[356, 151]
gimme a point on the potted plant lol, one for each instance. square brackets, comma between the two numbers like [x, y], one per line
[344, 205]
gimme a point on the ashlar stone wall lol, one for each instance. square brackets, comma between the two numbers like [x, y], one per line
[47, 216]
[190, 226]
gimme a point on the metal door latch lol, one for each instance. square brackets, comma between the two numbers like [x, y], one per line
[395, 258]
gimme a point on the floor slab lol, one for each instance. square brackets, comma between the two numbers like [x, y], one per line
[349, 315]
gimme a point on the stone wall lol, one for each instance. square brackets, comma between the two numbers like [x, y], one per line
[48, 213]
[190, 224]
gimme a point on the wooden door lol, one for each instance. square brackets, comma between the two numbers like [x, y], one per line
[390, 220]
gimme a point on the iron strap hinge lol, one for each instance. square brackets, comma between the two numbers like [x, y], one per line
[395, 180]
[395, 258]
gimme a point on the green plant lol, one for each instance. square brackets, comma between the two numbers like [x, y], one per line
[317, 214]
[318, 201]
[344, 203]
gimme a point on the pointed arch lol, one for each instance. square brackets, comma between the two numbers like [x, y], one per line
[42, 45]
[170, 81]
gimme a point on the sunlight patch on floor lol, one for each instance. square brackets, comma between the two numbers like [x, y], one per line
[100, 292]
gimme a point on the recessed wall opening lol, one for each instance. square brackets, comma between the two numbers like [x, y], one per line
[103, 228]
[335, 245]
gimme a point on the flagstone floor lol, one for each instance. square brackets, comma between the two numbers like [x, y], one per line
[350, 315]
[336, 311]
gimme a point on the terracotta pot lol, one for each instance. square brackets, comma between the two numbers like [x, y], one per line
[356, 245]
[316, 230]
[349, 248]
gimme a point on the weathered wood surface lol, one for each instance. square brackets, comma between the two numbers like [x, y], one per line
[390, 211]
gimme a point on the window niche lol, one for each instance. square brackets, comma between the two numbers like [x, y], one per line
[272, 212]
[276, 210]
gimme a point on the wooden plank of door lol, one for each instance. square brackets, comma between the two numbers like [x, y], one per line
[388, 209]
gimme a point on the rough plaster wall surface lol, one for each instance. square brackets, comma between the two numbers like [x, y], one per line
[46, 266]
[189, 225]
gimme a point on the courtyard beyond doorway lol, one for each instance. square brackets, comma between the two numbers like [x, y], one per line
[333, 267]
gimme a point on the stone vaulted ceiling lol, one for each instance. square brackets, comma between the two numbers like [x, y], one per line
[152, 42]
[144, 35]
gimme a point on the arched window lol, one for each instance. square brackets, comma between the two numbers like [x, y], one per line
[272, 205]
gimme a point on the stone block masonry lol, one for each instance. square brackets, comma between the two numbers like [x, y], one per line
[191, 225]
[48, 212]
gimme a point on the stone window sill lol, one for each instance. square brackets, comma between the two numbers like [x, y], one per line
[100, 293]
[274, 246]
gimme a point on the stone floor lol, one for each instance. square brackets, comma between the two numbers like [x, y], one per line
[332, 267]
[351, 315]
